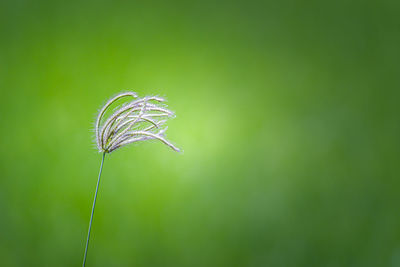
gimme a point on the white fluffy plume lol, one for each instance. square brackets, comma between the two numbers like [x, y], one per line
[137, 120]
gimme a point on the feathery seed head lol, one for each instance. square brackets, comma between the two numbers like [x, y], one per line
[138, 120]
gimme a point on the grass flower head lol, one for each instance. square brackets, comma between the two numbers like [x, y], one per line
[139, 119]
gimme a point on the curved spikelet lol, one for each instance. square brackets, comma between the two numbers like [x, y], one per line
[137, 120]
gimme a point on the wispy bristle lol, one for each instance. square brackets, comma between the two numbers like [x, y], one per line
[134, 121]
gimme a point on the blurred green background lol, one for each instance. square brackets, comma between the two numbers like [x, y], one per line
[288, 113]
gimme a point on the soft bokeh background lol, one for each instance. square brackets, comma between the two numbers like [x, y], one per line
[288, 113]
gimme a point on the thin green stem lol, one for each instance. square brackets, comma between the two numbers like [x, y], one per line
[94, 204]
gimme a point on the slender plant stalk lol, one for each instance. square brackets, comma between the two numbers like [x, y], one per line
[94, 204]
[137, 120]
